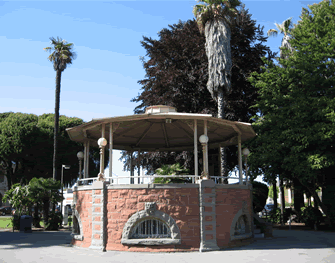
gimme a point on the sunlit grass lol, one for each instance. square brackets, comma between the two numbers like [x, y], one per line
[5, 222]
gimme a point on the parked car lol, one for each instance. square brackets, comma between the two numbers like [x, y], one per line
[267, 209]
[6, 210]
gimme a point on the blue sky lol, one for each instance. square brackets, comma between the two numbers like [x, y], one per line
[106, 36]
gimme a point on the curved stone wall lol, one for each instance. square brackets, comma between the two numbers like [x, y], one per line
[200, 217]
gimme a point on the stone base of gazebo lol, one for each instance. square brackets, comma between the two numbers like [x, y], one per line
[162, 217]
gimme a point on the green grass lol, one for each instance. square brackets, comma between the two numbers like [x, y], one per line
[4, 221]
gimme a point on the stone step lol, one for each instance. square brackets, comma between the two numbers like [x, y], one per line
[259, 235]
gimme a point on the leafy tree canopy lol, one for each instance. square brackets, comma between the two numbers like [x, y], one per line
[177, 72]
[26, 147]
[297, 99]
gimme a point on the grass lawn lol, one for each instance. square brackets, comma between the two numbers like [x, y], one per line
[4, 221]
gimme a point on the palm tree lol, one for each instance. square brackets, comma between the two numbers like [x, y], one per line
[214, 18]
[61, 56]
[284, 28]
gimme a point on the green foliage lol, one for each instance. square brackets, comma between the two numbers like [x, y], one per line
[275, 216]
[62, 53]
[55, 221]
[174, 169]
[26, 143]
[259, 195]
[19, 197]
[176, 67]
[296, 126]
[215, 9]
[271, 194]
[16, 222]
[311, 216]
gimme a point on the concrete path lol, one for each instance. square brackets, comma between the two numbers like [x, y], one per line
[54, 247]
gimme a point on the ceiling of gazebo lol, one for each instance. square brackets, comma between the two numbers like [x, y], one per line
[153, 132]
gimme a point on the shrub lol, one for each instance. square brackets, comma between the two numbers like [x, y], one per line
[16, 222]
[275, 216]
[311, 216]
[259, 194]
[55, 221]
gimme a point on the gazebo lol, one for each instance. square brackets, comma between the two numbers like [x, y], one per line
[161, 217]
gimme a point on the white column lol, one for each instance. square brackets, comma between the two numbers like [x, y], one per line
[131, 169]
[102, 151]
[205, 132]
[87, 159]
[196, 162]
[110, 150]
[240, 159]
[138, 166]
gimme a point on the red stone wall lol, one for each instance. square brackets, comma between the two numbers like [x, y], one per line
[228, 203]
[84, 208]
[181, 204]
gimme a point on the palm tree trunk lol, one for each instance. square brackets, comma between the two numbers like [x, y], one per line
[57, 102]
[218, 51]
[222, 150]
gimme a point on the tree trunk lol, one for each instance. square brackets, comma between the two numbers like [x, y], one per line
[320, 204]
[282, 200]
[218, 52]
[275, 195]
[222, 150]
[298, 196]
[46, 205]
[57, 103]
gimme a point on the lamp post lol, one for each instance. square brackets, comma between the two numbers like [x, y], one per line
[64, 166]
[204, 140]
[102, 142]
[246, 152]
[80, 156]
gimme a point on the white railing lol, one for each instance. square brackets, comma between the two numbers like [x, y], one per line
[142, 178]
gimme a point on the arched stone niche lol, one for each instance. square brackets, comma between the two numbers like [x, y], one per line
[77, 229]
[241, 225]
[150, 212]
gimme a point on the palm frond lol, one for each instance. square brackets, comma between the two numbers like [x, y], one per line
[272, 32]
[62, 54]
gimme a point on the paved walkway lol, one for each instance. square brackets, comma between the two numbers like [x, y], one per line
[54, 247]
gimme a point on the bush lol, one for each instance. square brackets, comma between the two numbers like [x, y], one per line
[55, 221]
[259, 194]
[311, 216]
[16, 222]
[275, 216]
[288, 212]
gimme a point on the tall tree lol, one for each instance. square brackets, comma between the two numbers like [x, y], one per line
[26, 147]
[214, 19]
[284, 28]
[177, 72]
[62, 55]
[297, 100]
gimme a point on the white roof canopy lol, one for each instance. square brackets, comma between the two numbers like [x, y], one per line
[161, 128]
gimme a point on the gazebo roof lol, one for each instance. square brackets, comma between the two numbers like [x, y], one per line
[161, 128]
